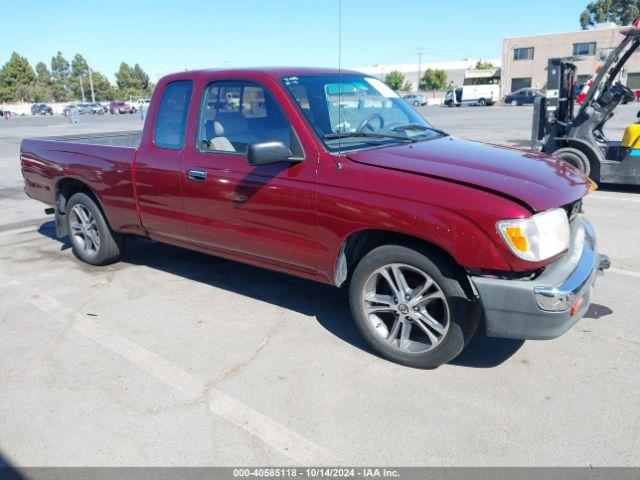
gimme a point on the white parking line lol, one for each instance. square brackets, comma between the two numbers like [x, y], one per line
[287, 442]
[599, 196]
[17, 231]
[621, 271]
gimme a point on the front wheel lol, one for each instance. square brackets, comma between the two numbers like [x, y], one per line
[482, 102]
[91, 238]
[412, 308]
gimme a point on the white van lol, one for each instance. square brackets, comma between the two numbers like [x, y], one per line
[480, 95]
[136, 105]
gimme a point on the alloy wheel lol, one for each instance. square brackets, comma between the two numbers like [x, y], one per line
[84, 230]
[406, 308]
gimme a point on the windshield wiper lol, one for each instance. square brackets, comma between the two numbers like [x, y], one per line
[416, 126]
[330, 136]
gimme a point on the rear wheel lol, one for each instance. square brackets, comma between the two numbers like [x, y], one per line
[514, 103]
[411, 308]
[575, 158]
[482, 102]
[416, 103]
[91, 238]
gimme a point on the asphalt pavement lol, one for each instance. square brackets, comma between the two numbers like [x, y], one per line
[176, 358]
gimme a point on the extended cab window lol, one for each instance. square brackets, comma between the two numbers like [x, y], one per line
[171, 121]
[236, 114]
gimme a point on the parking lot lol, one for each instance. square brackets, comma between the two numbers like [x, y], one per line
[175, 358]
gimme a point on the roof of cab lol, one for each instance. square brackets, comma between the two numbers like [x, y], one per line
[274, 72]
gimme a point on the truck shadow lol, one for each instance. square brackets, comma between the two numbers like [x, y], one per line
[327, 304]
[7, 470]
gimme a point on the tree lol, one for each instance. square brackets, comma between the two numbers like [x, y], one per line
[102, 88]
[6, 94]
[43, 91]
[394, 80]
[140, 78]
[18, 78]
[79, 83]
[43, 75]
[124, 78]
[433, 80]
[407, 86]
[621, 12]
[79, 67]
[133, 82]
[484, 65]
[61, 72]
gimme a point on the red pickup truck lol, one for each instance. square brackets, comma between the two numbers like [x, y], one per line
[331, 176]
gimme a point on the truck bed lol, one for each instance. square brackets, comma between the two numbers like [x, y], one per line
[130, 139]
[102, 162]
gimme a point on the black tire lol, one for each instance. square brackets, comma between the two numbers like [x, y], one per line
[416, 103]
[463, 316]
[574, 157]
[110, 244]
[482, 102]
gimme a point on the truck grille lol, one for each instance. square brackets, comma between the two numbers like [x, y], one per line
[573, 209]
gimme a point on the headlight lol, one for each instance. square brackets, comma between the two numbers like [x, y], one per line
[539, 237]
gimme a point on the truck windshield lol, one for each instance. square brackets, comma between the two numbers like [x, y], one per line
[349, 112]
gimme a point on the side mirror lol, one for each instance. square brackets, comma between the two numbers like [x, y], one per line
[265, 153]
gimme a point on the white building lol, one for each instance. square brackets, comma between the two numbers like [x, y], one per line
[456, 70]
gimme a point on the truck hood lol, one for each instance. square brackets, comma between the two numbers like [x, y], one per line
[535, 179]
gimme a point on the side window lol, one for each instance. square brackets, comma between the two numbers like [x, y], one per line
[171, 121]
[236, 114]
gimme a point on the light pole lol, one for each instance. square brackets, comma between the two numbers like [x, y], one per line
[419, 52]
[93, 97]
[82, 88]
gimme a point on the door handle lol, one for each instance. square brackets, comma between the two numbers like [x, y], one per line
[197, 175]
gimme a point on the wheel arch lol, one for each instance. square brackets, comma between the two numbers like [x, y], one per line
[361, 242]
[65, 188]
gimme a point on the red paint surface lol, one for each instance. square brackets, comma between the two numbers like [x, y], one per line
[294, 218]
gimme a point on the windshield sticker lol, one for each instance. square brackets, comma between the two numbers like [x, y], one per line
[291, 80]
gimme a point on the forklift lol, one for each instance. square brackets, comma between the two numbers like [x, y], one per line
[579, 138]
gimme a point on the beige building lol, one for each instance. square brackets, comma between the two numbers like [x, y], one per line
[524, 59]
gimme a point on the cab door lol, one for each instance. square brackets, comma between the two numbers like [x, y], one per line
[264, 213]
[158, 165]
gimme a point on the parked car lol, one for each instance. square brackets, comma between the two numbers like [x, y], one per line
[429, 232]
[119, 106]
[85, 108]
[477, 95]
[523, 96]
[416, 99]
[95, 108]
[41, 109]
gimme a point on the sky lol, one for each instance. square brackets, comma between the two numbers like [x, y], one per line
[165, 36]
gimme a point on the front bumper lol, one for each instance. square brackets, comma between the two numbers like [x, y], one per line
[553, 302]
